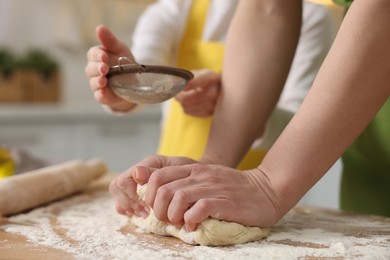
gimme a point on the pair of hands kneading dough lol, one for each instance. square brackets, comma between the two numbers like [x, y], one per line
[211, 232]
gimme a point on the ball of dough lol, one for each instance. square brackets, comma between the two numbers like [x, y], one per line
[211, 232]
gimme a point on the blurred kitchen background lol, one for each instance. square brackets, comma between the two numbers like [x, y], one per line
[55, 117]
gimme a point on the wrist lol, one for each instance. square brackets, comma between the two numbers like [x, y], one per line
[207, 160]
[273, 201]
[285, 191]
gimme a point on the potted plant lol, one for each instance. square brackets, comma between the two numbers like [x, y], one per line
[41, 76]
[11, 89]
[7, 63]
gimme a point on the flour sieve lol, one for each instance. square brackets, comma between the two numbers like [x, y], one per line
[146, 84]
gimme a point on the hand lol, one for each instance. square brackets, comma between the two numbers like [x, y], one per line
[100, 59]
[124, 187]
[192, 192]
[201, 93]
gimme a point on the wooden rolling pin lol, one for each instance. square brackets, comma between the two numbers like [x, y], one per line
[31, 189]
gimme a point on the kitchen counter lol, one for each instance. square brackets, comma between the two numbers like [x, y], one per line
[86, 226]
[41, 114]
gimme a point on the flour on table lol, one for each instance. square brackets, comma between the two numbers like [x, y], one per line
[210, 232]
[68, 225]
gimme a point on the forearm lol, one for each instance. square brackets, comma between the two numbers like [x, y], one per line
[254, 73]
[350, 88]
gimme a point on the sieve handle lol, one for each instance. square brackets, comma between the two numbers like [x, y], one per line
[129, 63]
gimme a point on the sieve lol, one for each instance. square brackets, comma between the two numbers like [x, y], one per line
[146, 84]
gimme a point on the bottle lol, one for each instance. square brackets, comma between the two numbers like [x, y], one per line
[7, 165]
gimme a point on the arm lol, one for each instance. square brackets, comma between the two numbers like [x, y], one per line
[253, 75]
[317, 34]
[350, 88]
[345, 97]
[318, 31]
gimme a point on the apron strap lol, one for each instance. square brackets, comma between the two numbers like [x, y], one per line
[195, 22]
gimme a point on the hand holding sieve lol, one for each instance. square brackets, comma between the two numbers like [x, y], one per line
[146, 84]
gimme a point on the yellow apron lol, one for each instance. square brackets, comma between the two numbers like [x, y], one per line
[184, 135]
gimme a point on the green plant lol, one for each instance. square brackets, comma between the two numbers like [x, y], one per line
[7, 61]
[38, 60]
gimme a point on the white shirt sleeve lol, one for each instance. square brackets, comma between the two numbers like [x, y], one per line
[318, 30]
[158, 32]
[317, 34]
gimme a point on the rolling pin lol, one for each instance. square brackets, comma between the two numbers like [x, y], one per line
[31, 189]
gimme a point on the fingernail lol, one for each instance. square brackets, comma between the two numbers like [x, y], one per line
[103, 69]
[140, 174]
[102, 81]
[189, 227]
[144, 213]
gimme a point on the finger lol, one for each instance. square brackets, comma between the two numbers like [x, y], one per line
[142, 174]
[97, 83]
[187, 97]
[182, 200]
[156, 186]
[134, 176]
[123, 202]
[159, 161]
[103, 96]
[203, 79]
[122, 211]
[97, 54]
[207, 208]
[141, 209]
[108, 39]
[106, 96]
[207, 95]
[124, 190]
[96, 68]
[199, 108]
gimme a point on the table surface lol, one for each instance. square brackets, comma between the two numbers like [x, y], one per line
[86, 226]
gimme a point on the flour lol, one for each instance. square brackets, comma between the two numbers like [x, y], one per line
[88, 227]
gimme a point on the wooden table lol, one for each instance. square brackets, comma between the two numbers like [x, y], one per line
[86, 226]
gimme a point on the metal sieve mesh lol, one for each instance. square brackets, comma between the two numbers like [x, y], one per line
[146, 84]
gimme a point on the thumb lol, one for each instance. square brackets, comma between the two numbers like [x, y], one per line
[108, 40]
[142, 174]
[204, 79]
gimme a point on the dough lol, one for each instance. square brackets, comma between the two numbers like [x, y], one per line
[210, 232]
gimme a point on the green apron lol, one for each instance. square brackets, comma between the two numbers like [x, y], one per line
[345, 3]
[365, 185]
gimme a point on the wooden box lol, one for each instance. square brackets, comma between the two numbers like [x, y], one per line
[41, 87]
[11, 87]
